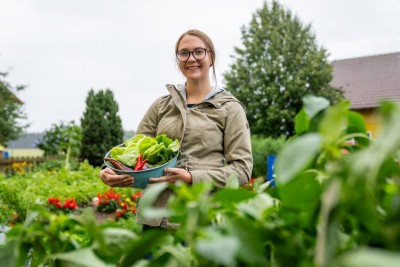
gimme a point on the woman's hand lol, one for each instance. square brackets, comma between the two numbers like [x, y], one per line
[173, 175]
[111, 178]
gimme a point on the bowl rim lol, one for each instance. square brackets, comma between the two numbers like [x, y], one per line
[137, 171]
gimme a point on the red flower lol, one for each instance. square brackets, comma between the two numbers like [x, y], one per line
[70, 203]
[52, 200]
[136, 195]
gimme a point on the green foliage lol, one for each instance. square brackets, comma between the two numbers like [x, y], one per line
[11, 112]
[334, 204]
[261, 148]
[11, 206]
[101, 126]
[20, 192]
[278, 63]
[48, 240]
[62, 139]
[352, 193]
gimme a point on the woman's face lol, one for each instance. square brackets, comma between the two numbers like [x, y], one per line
[194, 69]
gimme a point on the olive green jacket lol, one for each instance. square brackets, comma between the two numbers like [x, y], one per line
[214, 136]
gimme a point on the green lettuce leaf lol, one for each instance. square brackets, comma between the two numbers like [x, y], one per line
[157, 150]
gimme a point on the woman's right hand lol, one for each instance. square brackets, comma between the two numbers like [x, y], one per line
[111, 178]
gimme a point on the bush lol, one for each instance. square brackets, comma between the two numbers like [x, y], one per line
[262, 147]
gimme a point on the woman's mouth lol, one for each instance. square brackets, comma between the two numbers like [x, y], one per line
[192, 67]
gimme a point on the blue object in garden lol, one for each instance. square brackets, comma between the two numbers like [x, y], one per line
[5, 154]
[270, 169]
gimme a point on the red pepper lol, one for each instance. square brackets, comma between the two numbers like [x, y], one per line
[139, 163]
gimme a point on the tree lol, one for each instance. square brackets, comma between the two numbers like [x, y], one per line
[64, 140]
[56, 140]
[278, 64]
[11, 113]
[101, 126]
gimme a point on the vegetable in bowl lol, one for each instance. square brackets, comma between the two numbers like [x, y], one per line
[143, 157]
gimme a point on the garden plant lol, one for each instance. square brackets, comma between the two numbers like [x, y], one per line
[336, 203]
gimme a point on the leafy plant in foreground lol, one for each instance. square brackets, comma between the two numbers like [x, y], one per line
[334, 204]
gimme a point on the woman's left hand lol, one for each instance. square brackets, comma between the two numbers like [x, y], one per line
[173, 175]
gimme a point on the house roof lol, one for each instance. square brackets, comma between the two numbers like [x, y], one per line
[27, 140]
[368, 80]
[7, 91]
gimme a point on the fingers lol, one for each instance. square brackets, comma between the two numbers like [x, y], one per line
[111, 178]
[172, 175]
[166, 178]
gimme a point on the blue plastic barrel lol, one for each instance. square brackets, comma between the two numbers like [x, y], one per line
[270, 169]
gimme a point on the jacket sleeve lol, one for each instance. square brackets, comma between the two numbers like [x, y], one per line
[237, 150]
[149, 123]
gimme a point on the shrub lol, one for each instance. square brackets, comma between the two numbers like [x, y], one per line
[262, 147]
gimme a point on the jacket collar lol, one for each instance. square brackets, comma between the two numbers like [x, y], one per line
[217, 96]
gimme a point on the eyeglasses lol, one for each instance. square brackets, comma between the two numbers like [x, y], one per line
[199, 54]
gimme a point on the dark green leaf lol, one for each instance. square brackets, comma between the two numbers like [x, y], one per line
[228, 197]
[302, 122]
[296, 156]
[143, 246]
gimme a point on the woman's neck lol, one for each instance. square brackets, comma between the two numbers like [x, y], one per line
[196, 91]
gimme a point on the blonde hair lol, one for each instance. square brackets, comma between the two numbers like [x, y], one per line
[207, 41]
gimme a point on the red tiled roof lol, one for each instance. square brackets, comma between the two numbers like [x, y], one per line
[367, 80]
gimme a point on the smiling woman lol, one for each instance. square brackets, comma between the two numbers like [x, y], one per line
[209, 122]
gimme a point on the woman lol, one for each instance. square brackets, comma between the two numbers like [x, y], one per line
[209, 122]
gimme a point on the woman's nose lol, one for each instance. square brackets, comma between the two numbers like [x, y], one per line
[191, 57]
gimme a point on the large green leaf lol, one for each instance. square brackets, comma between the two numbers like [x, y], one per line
[180, 255]
[296, 156]
[252, 241]
[79, 258]
[303, 195]
[116, 241]
[7, 253]
[334, 122]
[229, 197]
[369, 257]
[302, 122]
[210, 248]
[143, 247]
[356, 122]
[314, 104]
[388, 139]
[148, 198]
[257, 206]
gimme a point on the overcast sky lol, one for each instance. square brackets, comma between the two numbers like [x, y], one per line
[61, 49]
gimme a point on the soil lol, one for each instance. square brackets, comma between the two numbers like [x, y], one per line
[104, 217]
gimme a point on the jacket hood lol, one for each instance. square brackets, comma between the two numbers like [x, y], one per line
[217, 96]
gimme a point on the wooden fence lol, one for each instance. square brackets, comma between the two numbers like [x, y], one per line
[6, 163]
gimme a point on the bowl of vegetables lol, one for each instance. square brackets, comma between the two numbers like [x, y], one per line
[143, 157]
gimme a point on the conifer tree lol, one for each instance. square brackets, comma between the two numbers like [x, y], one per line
[101, 126]
[278, 63]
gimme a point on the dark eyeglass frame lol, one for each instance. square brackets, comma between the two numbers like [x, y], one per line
[191, 53]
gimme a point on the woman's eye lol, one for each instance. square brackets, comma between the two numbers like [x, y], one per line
[198, 52]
